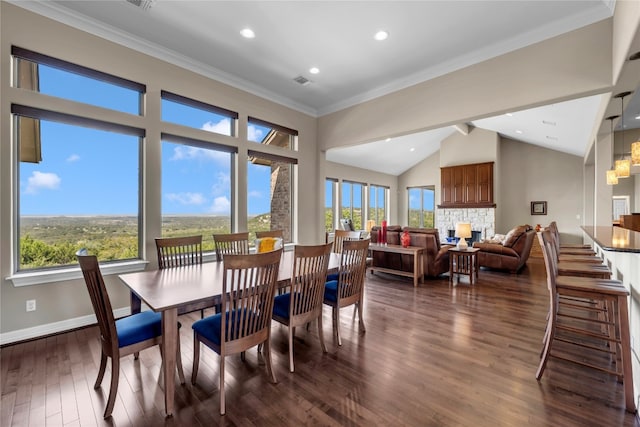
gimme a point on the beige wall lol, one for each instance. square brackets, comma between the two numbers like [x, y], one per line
[58, 303]
[531, 173]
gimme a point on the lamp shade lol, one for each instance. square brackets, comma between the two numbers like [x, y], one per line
[623, 168]
[612, 178]
[635, 153]
[463, 231]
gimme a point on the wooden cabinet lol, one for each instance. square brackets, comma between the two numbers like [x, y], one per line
[467, 186]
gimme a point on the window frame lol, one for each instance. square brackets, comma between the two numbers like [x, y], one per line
[422, 189]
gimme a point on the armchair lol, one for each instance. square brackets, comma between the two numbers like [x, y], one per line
[511, 254]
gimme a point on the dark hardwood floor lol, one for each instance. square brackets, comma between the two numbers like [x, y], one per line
[433, 356]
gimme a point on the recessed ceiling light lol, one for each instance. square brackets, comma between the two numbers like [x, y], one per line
[248, 33]
[637, 117]
[509, 114]
[387, 140]
[518, 131]
[381, 35]
[412, 149]
[314, 70]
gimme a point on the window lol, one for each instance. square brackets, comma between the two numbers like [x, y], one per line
[270, 193]
[51, 76]
[378, 203]
[330, 186]
[199, 115]
[271, 134]
[196, 189]
[421, 206]
[352, 201]
[69, 195]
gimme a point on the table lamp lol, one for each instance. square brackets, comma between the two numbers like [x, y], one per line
[463, 231]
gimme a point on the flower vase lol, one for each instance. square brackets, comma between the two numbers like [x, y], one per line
[384, 233]
[405, 239]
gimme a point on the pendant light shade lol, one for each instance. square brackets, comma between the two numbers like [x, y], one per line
[623, 168]
[612, 179]
[635, 153]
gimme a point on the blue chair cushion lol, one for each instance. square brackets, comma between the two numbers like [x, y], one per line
[281, 305]
[211, 327]
[138, 327]
[331, 291]
[332, 276]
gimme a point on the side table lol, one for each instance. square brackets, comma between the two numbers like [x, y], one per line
[464, 262]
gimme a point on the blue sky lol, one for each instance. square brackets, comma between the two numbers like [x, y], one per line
[91, 172]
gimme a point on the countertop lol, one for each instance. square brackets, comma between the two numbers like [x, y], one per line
[614, 238]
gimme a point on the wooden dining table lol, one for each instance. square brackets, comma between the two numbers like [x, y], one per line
[168, 289]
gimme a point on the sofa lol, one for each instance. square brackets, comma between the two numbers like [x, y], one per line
[435, 257]
[510, 253]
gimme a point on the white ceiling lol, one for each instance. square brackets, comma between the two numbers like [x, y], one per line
[337, 37]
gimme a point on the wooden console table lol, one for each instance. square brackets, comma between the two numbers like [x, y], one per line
[463, 262]
[417, 252]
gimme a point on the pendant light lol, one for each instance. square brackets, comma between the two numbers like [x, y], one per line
[635, 147]
[623, 166]
[612, 178]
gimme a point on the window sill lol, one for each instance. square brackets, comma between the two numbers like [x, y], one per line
[55, 275]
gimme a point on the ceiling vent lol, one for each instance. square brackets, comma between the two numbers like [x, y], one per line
[302, 80]
[142, 4]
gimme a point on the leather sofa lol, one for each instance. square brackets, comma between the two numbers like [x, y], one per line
[511, 254]
[435, 256]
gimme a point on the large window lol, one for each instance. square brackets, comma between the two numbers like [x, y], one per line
[421, 206]
[196, 189]
[78, 177]
[69, 195]
[378, 203]
[330, 187]
[270, 193]
[352, 202]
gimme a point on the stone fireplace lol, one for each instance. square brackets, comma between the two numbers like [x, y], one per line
[483, 220]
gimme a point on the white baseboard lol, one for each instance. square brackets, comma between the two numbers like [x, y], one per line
[56, 327]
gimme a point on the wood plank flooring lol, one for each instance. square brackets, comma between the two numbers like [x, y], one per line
[436, 355]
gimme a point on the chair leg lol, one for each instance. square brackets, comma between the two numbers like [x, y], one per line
[361, 318]
[267, 357]
[321, 334]
[222, 403]
[136, 355]
[291, 332]
[103, 367]
[179, 363]
[196, 358]
[113, 390]
[336, 323]
[547, 347]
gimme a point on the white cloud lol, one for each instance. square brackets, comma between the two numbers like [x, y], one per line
[254, 134]
[221, 205]
[185, 152]
[255, 194]
[42, 181]
[222, 185]
[73, 158]
[222, 127]
[186, 198]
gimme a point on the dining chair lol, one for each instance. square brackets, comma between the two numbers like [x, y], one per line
[304, 302]
[121, 337]
[181, 252]
[248, 288]
[340, 236]
[594, 334]
[348, 288]
[231, 243]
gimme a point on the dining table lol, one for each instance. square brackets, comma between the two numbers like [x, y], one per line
[168, 289]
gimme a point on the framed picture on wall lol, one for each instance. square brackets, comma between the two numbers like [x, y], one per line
[538, 208]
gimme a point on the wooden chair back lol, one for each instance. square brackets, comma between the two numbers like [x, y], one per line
[353, 264]
[231, 243]
[310, 264]
[179, 251]
[340, 236]
[271, 233]
[248, 284]
[101, 303]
